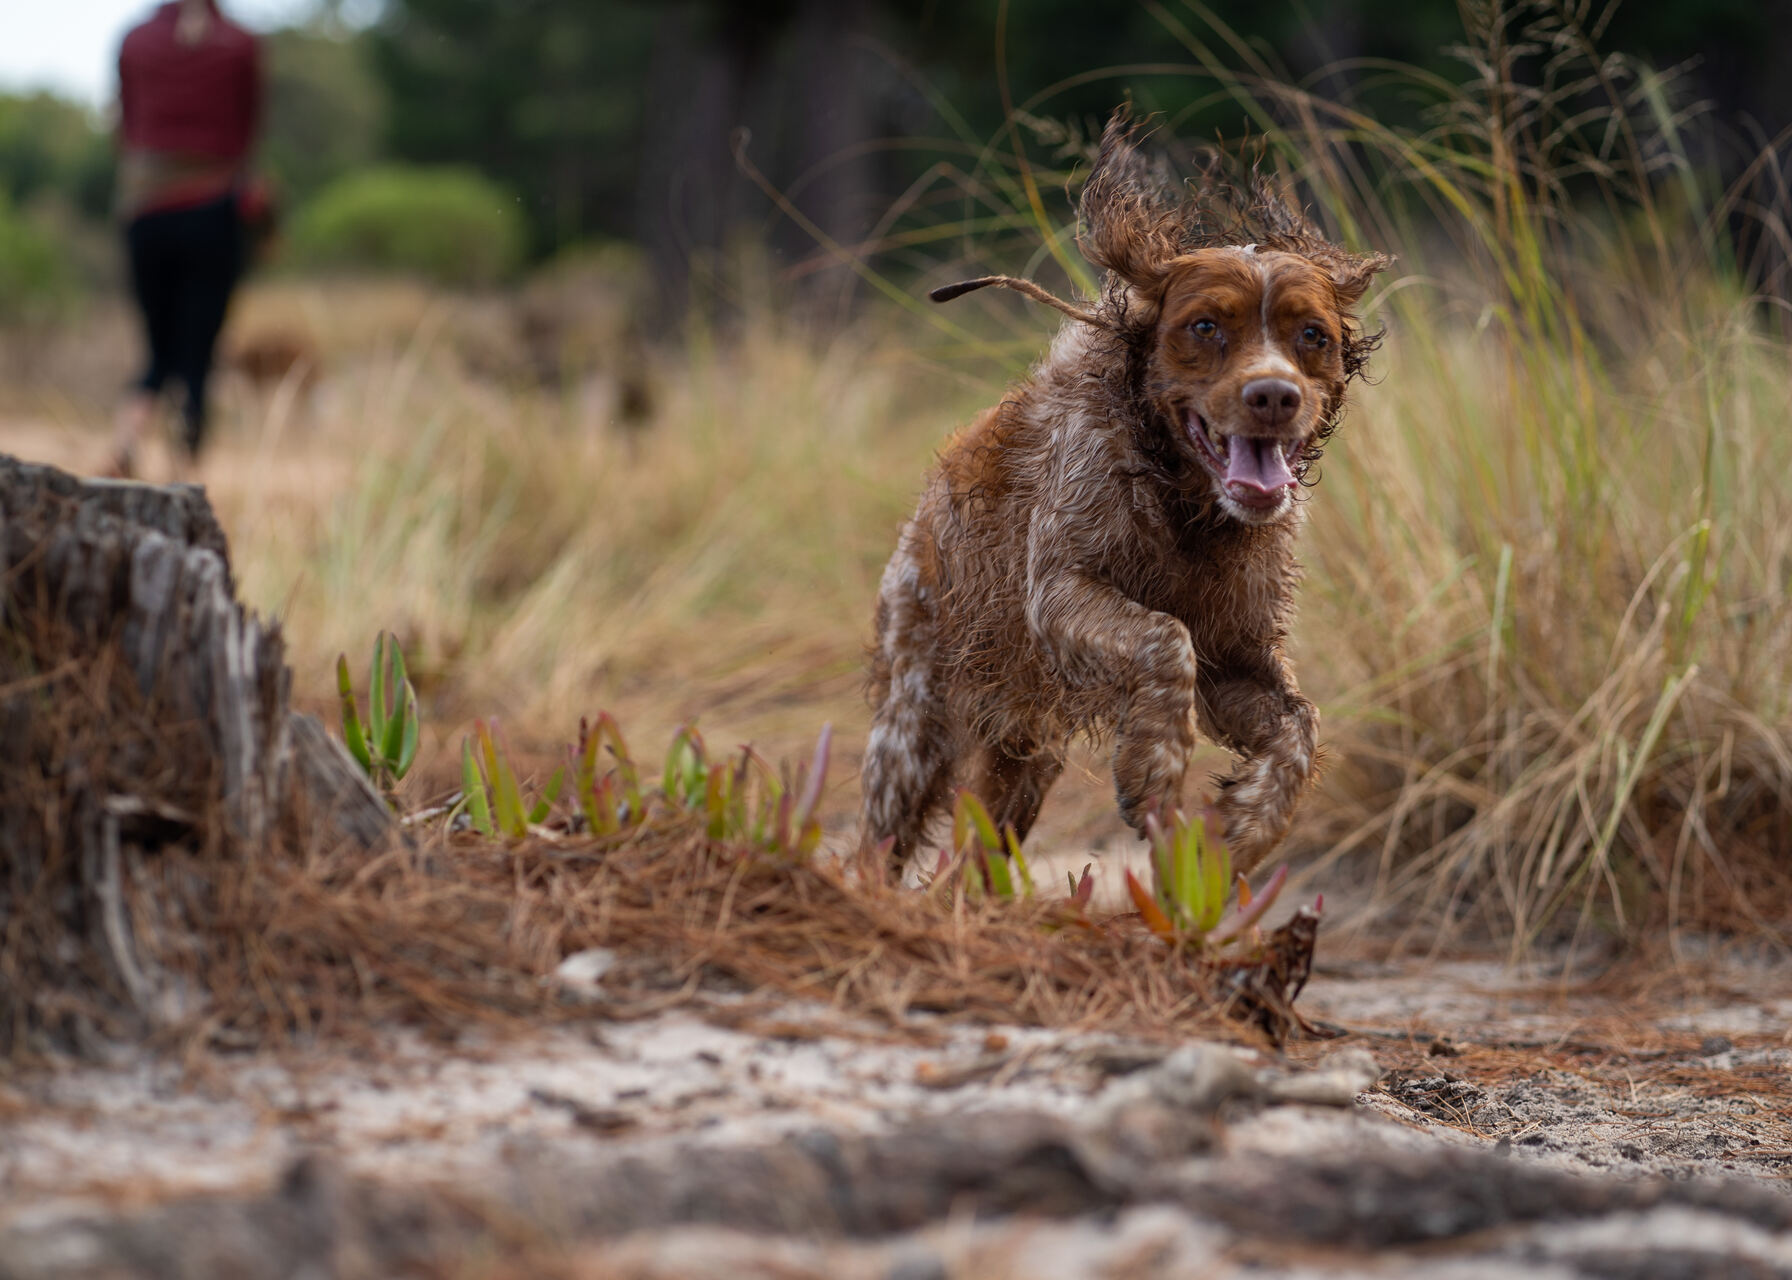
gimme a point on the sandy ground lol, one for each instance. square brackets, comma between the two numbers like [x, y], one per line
[1468, 1059]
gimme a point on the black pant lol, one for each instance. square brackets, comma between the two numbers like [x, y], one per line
[184, 264]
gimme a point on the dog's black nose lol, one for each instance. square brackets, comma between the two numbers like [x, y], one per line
[1272, 401]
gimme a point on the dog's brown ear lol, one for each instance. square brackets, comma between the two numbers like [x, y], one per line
[1352, 272]
[1280, 224]
[1131, 218]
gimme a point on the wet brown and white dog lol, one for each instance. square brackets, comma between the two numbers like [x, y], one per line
[1111, 549]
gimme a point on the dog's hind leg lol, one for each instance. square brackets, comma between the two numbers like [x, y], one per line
[909, 756]
[1011, 780]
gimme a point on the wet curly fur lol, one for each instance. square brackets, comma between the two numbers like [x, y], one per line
[1111, 549]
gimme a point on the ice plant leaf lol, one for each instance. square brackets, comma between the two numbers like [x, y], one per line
[407, 746]
[513, 819]
[545, 805]
[1023, 873]
[1217, 870]
[376, 695]
[392, 739]
[1081, 891]
[506, 800]
[600, 808]
[479, 811]
[717, 794]
[781, 823]
[1161, 844]
[808, 830]
[969, 817]
[585, 769]
[997, 874]
[686, 774]
[1246, 916]
[1191, 883]
[1152, 914]
[352, 734]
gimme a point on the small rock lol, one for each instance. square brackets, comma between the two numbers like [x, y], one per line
[1711, 1046]
[1167, 1111]
[581, 973]
[1199, 1077]
[596, 1119]
[1146, 1133]
[917, 1266]
[1335, 1082]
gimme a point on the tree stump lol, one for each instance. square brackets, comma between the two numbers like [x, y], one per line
[141, 708]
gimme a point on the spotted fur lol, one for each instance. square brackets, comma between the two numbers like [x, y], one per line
[1085, 557]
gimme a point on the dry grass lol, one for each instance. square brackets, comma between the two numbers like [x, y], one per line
[177, 928]
[290, 946]
[466, 924]
[1545, 615]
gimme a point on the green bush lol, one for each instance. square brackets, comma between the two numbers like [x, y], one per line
[35, 274]
[449, 225]
[50, 147]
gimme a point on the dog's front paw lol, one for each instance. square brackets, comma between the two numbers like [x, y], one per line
[1148, 772]
[1257, 804]
[1134, 810]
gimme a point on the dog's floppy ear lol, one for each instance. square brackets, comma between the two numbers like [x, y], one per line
[1352, 272]
[1131, 218]
[1281, 225]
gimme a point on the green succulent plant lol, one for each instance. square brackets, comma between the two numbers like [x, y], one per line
[385, 745]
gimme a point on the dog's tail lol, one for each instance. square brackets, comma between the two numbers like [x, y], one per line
[945, 293]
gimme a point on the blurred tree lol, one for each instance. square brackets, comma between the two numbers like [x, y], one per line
[546, 95]
[326, 110]
[614, 117]
[52, 148]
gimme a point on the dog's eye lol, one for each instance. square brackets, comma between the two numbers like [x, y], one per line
[1204, 328]
[1314, 336]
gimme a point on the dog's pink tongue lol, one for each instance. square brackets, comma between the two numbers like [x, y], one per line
[1261, 464]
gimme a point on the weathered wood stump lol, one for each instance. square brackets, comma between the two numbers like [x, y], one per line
[141, 707]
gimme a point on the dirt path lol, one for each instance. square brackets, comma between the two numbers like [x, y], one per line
[1088, 1155]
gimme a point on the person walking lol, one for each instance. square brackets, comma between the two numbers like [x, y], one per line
[190, 101]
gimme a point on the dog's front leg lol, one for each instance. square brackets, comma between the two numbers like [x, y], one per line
[1096, 639]
[1263, 717]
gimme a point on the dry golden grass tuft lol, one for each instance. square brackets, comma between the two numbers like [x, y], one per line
[464, 931]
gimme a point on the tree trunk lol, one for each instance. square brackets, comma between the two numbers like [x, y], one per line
[141, 707]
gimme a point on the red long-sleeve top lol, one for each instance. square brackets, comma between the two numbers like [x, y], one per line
[196, 103]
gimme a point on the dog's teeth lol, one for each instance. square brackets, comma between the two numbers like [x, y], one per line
[1222, 445]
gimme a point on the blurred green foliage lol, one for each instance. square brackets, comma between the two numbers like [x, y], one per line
[447, 224]
[35, 272]
[619, 117]
[54, 150]
[326, 111]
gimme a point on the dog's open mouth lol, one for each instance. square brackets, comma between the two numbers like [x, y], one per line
[1256, 472]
